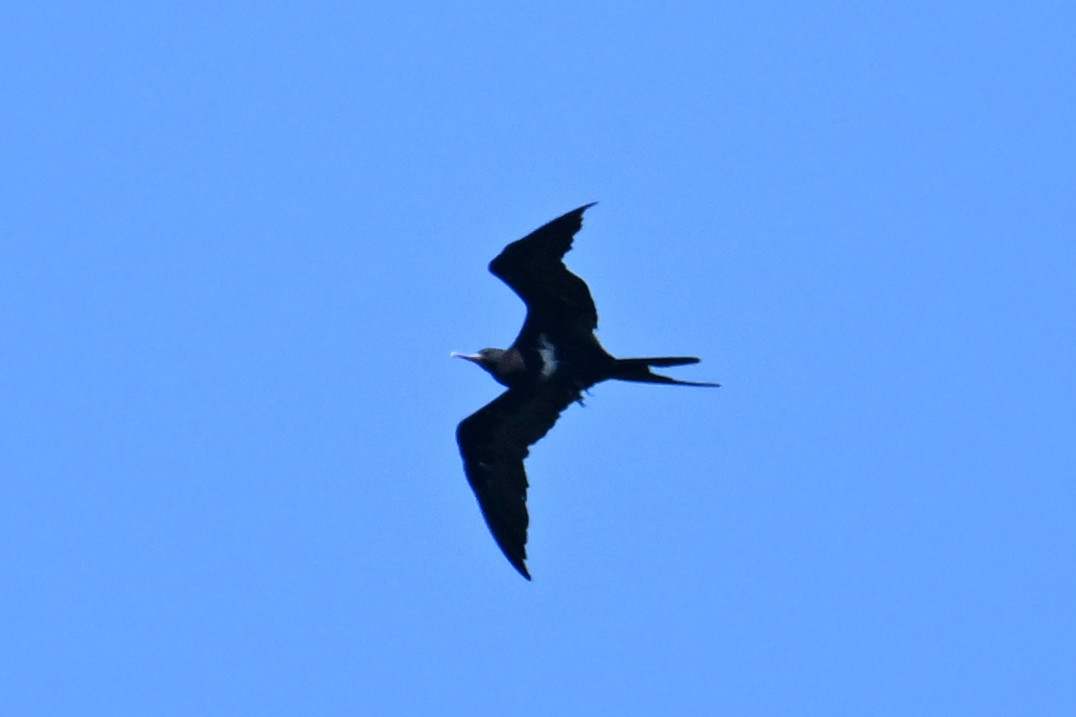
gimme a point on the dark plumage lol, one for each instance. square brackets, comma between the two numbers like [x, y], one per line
[553, 360]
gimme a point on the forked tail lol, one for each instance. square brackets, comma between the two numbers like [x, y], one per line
[638, 369]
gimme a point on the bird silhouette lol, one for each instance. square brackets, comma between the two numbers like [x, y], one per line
[554, 359]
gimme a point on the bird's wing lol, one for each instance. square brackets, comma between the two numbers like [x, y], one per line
[493, 443]
[533, 267]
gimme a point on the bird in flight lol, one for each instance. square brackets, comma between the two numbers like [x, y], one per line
[553, 360]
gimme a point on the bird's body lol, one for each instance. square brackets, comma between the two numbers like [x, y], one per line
[553, 360]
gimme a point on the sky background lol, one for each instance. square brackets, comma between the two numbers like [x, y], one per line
[239, 240]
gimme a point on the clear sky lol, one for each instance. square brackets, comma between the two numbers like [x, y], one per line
[239, 240]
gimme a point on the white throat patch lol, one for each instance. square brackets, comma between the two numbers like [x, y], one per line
[548, 354]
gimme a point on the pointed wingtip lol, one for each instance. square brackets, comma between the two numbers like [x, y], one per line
[578, 213]
[517, 559]
[517, 563]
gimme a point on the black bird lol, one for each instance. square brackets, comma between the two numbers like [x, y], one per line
[553, 360]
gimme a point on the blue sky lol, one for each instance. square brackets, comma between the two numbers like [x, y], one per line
[239, 241]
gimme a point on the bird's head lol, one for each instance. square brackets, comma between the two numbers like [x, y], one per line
[486, 358]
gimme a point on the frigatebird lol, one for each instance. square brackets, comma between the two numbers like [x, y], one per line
[555, 358]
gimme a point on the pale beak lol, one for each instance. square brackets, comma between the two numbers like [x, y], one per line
[470, 357]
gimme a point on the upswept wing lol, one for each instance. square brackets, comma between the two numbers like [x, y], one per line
[533, 267]
[493, 443]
